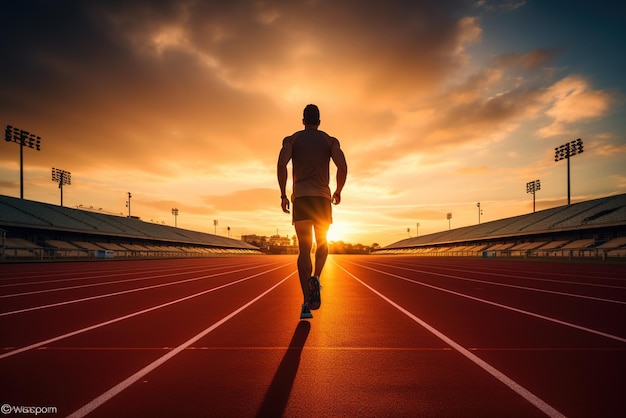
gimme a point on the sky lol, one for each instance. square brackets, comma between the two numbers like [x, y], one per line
[437, 105]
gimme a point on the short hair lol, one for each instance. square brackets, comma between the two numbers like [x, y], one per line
[311, 115]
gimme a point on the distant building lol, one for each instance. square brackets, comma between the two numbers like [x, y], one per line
[279, 241]
[277, 244]
[256, 240]
[340, 247]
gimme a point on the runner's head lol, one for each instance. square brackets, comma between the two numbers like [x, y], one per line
[311, 115]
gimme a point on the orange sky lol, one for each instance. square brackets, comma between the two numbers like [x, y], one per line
[437, 107]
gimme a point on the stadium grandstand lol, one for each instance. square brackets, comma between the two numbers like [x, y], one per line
[39, 231]
[593, 228]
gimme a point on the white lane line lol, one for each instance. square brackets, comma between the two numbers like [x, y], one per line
[134, 279]
[532, 289]
[121, 318]
[86, 276]
[245, 348]
[516, 387]
[499, 305]
[122, 292]
[331, 348]
[489, 272]
[112, 273]
[117, 389]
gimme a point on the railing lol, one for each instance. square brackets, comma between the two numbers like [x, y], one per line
[601, 253]
[26, 254]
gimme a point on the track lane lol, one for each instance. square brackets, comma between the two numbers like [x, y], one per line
[65, 295]
[587, 274]
[526, 394]
[97, 278]
[509, 341]
[123, 385]
[597, 312]
[530, 281]
[358, 356]
[130, 339]
[123, 304]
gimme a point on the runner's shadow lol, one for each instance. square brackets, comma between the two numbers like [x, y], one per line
[278, 393]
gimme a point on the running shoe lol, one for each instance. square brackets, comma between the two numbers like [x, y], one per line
[315, 299]
[306, 312]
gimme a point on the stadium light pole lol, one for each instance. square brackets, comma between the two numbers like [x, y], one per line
[566, 151]
[25, 139]
[215, 227]
[532, 187]
[480, 212]
[61, 177]
[128, 203]
[417, 229]
[175, 213]
[449, 216]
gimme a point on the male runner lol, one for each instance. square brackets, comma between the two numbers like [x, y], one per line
[310, 151]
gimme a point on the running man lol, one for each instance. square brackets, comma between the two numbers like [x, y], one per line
[310, 151]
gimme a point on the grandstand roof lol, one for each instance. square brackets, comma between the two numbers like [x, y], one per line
[20, 213]
[605, 212]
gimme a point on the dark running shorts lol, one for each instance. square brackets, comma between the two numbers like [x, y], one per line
[314, 208]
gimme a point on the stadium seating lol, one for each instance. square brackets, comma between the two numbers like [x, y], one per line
[43, 231]
[39, 231]
[590, 228]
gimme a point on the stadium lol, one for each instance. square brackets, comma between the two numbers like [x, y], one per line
[436, 104]
[593, 228]
[40, 231]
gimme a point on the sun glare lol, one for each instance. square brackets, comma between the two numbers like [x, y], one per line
[338, 232]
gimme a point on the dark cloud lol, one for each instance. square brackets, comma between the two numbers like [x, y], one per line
[136, 82]
[532, 60]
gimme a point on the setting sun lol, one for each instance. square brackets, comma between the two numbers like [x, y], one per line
[339, 232]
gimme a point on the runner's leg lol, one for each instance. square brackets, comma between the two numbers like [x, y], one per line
[321, 252]
[304, 232]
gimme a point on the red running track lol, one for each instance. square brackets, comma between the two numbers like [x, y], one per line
[396, 336]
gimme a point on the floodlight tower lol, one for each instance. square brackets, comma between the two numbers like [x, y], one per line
[215, 226]
[480, 211]
[449, 216]
[61, 177]
[567, 150]
[175, 213]
[128, 203]
[417, 229]
[25, 139]
[532, 187]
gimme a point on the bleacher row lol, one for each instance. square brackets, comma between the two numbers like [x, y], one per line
[35, 230]
[17, 248]
[593, 228]
[559, 248]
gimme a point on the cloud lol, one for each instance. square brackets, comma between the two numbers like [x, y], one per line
[471, 171]
[500, 5]
[423, 215]
[243, 200]
[532, 60]
[609, 149]
[148, 84]
[572, 100]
